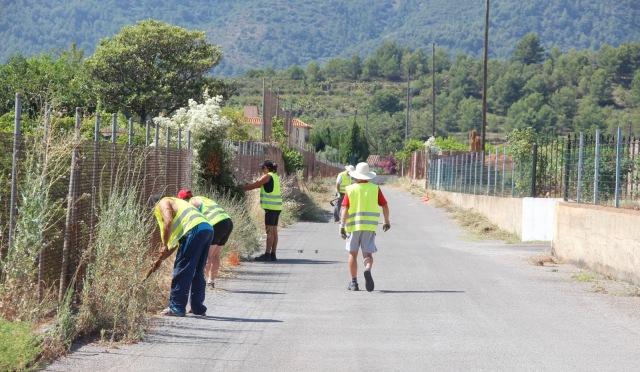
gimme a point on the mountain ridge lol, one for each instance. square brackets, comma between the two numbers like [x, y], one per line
[280, 33]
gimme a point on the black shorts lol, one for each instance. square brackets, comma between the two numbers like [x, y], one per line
[271, 218]
[222, 231]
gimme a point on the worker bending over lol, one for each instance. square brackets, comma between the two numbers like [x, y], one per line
[183, 226]
[222, 227]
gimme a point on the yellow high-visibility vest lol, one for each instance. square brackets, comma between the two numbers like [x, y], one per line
[212, 211]
[364, 211]
[345, 180]
[272, 201]
[187, 217]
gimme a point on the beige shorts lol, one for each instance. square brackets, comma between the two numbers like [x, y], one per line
[365, 240]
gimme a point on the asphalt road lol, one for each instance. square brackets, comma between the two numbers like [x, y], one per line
[442, 302]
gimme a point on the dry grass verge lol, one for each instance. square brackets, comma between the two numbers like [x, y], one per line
[475, 223]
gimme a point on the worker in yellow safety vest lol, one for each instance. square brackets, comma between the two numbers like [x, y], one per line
[271, 202]
[222, 228]
[183, 227]
[359, 222]
[342, 181]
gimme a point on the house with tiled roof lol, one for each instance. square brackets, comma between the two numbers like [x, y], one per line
[299, 131]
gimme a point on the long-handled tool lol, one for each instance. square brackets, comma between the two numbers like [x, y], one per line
[156, 265]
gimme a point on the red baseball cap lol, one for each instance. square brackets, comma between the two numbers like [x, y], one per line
[185, 194]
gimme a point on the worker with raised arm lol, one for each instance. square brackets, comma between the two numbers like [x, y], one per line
[271, 202]
[342, 181]
[222, 228]
[183, 227]
[359, 222]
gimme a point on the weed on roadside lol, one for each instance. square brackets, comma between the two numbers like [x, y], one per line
[584, 276]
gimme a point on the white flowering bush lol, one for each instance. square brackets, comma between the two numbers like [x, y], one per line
[208, 127]
[432, 146]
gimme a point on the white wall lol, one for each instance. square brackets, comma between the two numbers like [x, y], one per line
[538, 218]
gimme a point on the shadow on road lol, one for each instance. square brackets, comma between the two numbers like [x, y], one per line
[432, 291]
[304, 261]
[240, 320]
[256, 292]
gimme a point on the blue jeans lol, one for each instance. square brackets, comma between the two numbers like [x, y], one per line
[188, 270]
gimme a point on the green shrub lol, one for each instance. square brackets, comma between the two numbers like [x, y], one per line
[293, 160]
[115, 298]
[19, 347]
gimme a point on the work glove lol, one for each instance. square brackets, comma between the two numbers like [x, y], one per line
[386, 227]
[343, 233]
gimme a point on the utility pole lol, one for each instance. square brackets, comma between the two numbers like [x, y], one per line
[406, 124]
[484, 80]
[433, 89]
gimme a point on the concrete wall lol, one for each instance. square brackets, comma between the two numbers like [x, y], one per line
[538, 219]
[506, 213]
[604, 239]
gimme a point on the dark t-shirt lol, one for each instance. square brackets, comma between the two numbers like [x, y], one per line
[268, 187]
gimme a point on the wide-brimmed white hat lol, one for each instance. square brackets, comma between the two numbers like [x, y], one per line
[349, 167]
[362, 172]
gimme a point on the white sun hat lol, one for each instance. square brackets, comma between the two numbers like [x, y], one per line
[349, 168]
[362, 172]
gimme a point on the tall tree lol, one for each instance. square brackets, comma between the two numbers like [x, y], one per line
[356, 147]
[152, 67]
[529, 50]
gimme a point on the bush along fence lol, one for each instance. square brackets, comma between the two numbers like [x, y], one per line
[592, 168]
[92, 169]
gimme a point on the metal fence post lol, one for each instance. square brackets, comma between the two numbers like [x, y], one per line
[45, 139]
[70, 208]
[147, 133]
[188, 140]
[504, 160]
[618, 150]
[495, 177]
[567, 169]
[114, 138]
[463, 183]
[14, 170]
[513, 177]
[157, 136]
[94, 174]
[166, 159]
[580, 162]
[130, 132]
[489, 174]
[481, 178]
[596, 168]
[180, 159]
[475, 171]
[114, 128]
[534, 165]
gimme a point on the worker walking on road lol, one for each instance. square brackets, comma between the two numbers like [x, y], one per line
[271, 202]
[359, 222]
[181, 224]
[342, 182]
[222, 228]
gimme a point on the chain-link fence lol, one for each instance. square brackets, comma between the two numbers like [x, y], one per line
[491, 173]
[91, 170]
[584, 167]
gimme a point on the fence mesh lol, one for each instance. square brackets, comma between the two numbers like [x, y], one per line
[584, 167]
[101, 167]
